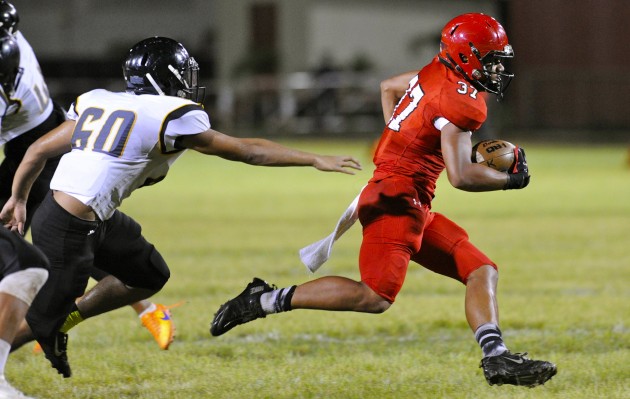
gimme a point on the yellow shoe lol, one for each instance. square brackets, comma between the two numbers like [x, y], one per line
[160, 324]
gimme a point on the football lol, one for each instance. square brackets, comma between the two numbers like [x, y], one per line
[497, 154]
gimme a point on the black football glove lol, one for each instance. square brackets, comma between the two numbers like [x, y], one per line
[518, 174]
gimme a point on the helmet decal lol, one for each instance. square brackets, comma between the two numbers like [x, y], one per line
[154, 84]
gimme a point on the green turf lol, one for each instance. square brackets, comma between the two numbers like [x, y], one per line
[562, 244]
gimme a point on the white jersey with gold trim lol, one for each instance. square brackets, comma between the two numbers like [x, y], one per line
[123, 141]
[30, 105]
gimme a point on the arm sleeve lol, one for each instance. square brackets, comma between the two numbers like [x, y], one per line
[3, 110]
[72, 112]
[184, 121]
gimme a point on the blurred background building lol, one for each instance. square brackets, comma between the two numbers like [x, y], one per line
[313, 67]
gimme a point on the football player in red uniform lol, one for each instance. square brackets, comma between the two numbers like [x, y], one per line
[430, 116]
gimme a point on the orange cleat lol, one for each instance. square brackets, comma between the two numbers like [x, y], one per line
[160, 324]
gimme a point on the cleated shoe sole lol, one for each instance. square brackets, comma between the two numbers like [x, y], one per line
[517, 369]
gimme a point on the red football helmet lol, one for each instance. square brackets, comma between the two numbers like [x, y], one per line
[473, 44]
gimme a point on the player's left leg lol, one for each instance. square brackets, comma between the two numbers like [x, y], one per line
[392, 231]
[110, 293]
[12, 311]
[24, 270]
[135, 269]
[155, 317]
[447, 251]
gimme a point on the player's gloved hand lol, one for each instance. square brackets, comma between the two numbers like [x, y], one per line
[518, 174]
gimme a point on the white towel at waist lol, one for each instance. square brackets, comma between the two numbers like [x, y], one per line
[315, 254]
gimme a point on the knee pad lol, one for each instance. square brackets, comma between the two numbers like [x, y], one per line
[24, 284]
[163, 272]
[154, 275]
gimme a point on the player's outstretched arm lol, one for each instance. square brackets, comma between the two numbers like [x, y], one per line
[54, 143]
[263, 152]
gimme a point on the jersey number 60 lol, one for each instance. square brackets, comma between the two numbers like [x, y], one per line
[108, 136]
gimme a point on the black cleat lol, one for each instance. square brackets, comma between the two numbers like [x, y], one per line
[55, 349]
[245, 307]
[516, 369]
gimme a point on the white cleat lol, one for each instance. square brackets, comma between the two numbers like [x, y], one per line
[8, 392]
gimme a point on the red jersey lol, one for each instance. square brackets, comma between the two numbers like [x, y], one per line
[410, 144]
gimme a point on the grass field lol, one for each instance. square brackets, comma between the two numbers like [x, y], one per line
[562, 244]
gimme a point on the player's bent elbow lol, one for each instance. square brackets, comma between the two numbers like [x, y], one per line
[386, 85]
[464, 185]
[458, 181]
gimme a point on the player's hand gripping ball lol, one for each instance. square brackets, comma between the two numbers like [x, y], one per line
[497, 154]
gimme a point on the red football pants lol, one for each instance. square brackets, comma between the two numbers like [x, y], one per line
[397, 228]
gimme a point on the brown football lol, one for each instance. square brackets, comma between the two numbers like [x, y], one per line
[497, 154]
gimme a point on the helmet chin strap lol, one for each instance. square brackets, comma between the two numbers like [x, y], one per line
[154, 84]
[450, 63]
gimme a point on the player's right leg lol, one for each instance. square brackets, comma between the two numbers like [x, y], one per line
[68, 243]
[24, 270]
[155, 317]
[447, 250]
[134, 269]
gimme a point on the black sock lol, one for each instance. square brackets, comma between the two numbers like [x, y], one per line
[283, 301]
[490, 340]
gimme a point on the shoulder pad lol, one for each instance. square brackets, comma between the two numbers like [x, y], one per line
[463, 105]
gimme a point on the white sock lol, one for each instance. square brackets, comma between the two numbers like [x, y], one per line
[268, 301]
[490, 339]
[148, 310]
[277, 301]
[5, 348]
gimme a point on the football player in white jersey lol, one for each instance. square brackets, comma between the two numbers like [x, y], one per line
[23, 271]
[112, 144]
[28, 114]
[23, 268]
